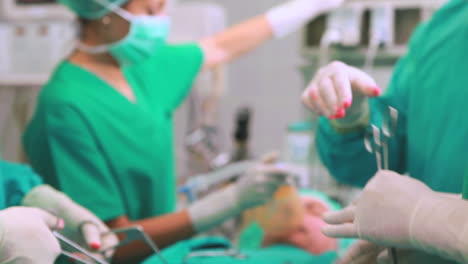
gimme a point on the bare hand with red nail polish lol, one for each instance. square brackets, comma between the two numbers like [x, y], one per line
[340, 92]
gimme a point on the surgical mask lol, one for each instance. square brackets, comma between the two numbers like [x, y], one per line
[145, 36]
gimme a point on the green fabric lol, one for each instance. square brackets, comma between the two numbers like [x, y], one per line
[429, 89]
[252, 236]
[15, 182]
[108, 154]
[91, 9]
[279, 254]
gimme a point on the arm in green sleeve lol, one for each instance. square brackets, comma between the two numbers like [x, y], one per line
[82, 172]
[345, 155]
[16, 181]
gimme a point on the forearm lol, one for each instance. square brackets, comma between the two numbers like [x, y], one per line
[236, 41]
[164, 231]
[276, 22]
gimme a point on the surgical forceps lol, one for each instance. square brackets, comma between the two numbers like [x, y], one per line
[78, 249]
[131, 234]
[377, 145]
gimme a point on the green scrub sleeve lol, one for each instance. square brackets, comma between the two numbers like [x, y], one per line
[15, 182]
[345, 155]
[183, 63]
[84, 174]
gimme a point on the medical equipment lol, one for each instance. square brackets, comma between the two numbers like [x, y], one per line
[131, 234]
[28, 10]
[198, 185]
[76, 248]
[376, 145]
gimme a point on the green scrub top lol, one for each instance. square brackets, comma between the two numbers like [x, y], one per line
[429, 88]
[15, 182]
[107, 153]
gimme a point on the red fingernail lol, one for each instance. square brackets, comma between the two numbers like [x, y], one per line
[95, 245]
[377, 91]
[313, 94]
[348, 103]
[60, 224]
[340, 114]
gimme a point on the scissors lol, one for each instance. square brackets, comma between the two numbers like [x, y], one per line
[131, 234]
[376, 142]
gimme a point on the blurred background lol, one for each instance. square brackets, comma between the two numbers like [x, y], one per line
[236, 112]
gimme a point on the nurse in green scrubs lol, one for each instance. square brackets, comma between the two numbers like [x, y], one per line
[103, 128]
[25, 229]
[429, 90]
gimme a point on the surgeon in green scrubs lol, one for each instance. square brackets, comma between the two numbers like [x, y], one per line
[429, 90]
[103, 128]
[26, 225]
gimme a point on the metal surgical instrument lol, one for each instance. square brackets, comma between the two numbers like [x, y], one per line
[77, 249]
[133, 234]
[377, 145]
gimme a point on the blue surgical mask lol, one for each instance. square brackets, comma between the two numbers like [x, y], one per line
[145, 36]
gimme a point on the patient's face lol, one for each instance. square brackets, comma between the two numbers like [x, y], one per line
[308, 236]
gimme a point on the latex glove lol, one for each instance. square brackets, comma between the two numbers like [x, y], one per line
[408, 256]
[290, 16]
[362, 252]
[254, 188]
[339, 91]
[398, 211]
[200, 184]
[26, 237]
[82, 226]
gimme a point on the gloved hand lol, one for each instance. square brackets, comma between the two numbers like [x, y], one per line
[290, 16]
[397, 211]
[26, 237]
[254, 188]
[362, 252]
[82, 226]
[340, 92]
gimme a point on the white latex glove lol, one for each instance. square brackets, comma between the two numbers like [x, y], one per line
[292, 15]
[255, 188]
[398, 211]
[339, 91]
[82, 226]
[26, 237]
[362, 252]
